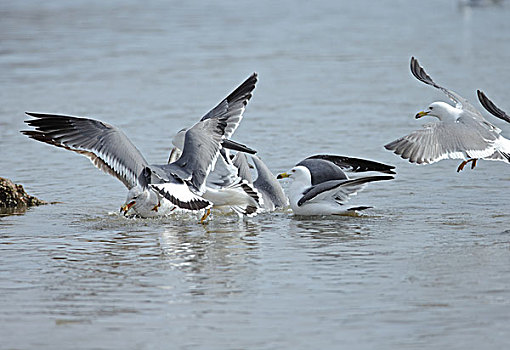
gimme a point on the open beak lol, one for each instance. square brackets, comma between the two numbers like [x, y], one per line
[282, 176]
[421, 114]
[125, 208]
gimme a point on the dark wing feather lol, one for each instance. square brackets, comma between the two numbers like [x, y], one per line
[420, 74]
[105, 145]
[233, 106]
[236, 146]
[355, 164]
[491, 107]
[178, 194]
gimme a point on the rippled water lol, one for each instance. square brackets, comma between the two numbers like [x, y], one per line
[428, 267]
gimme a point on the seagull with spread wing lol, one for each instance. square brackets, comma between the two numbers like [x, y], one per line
[461, 132]
[153, 190]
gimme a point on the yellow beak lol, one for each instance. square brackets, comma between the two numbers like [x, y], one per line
[421, 114]
[125, 208]
[282, 176]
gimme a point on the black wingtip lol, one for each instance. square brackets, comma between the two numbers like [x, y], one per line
[491, 107]
[243, 91]
[420, 74]
[236, 146]
[355, 164]
[32, 114]
[42, 115]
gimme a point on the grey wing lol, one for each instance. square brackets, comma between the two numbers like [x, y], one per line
[420, 74]
[243, 167]
[106, 146]
[233, 106]
[438, 141]
[202, 146]
[266, 182]
[322, 170]
[339, 190]
[491, 107]
[224, 173]
[355, 164]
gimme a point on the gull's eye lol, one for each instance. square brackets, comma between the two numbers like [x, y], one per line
[431, 108]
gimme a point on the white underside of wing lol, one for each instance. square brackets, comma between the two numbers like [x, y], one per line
[180, 195]
[326, 203]
[502, 144]
[238, 197]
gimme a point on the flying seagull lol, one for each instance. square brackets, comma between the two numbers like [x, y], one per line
[461, 132]
[153, 190]
[321, 187]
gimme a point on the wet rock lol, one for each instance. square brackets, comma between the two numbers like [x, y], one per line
[13, 197]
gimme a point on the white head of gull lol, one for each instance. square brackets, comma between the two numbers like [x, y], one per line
[461, 132]
[320, 187]
[153, 190]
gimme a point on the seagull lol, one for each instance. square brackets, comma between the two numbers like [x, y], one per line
[272, 192]
[230, 192]
[223, 187]
[321, 187]
[153, 190]
[461, 132]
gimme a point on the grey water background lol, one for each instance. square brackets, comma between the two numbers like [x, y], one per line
[427, 267]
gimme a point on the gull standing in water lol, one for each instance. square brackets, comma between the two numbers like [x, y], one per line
[461, 132]
[321, 187]
[154, 190]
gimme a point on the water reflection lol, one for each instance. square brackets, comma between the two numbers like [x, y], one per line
[216, 260]
[331, 228]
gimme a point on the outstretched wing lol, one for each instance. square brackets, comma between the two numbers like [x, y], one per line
[201, 150]
[202, 142]
[491, 107]
[461, 103]
[233, 106]
[437, 141]
[106, 146]
[355, 164]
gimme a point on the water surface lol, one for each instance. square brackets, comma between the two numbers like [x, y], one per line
[428, 267]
